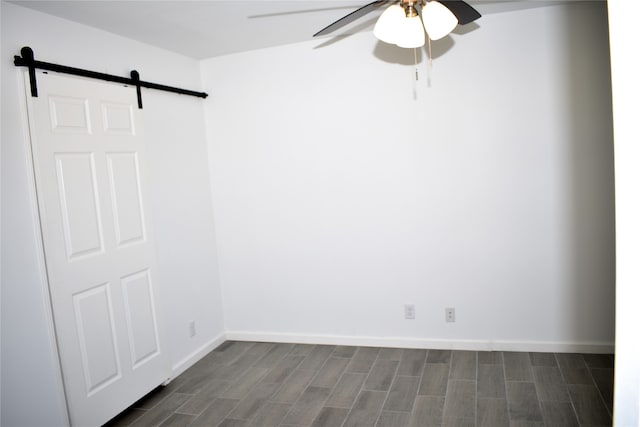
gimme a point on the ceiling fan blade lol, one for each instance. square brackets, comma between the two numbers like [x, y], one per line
[462, 10]
[353, 16]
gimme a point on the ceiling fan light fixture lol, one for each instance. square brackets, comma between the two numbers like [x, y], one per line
[390, 24]
[412, 33]
[439, 21]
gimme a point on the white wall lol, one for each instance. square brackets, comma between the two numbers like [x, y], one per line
[31, 394]
[627, 157]
[345, 189]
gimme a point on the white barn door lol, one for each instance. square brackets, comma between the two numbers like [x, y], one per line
[89, 162]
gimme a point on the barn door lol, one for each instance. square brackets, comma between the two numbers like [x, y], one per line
[89, 162]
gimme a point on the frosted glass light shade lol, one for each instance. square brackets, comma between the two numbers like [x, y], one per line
[389, 25]
[412, 33]
[438, 20]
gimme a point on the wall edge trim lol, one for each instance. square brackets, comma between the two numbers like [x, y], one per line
[195, 356]
[430, 343]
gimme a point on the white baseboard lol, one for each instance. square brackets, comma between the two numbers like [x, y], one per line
[198, 354]
[407, 342]
[398, 342]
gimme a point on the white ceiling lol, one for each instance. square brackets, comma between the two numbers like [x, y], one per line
[207, 28]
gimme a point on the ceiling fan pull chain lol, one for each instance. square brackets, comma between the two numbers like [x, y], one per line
[430, 56]
[415, 60]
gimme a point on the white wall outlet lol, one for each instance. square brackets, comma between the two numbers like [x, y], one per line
[192, 328]
[450, 314]
[409, 311]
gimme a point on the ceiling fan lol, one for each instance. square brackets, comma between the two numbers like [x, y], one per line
[405, 22]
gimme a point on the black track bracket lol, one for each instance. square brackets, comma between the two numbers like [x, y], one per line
[27, 60]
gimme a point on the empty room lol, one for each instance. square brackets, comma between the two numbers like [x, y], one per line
[319, 213]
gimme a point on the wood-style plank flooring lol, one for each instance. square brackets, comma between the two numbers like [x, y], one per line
[245, 384]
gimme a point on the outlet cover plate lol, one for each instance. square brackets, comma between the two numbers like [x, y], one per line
[450, 314]
[409, 311]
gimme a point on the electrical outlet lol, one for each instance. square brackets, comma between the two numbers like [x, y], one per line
[409, 311]
[450, 314]
[192, 328]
